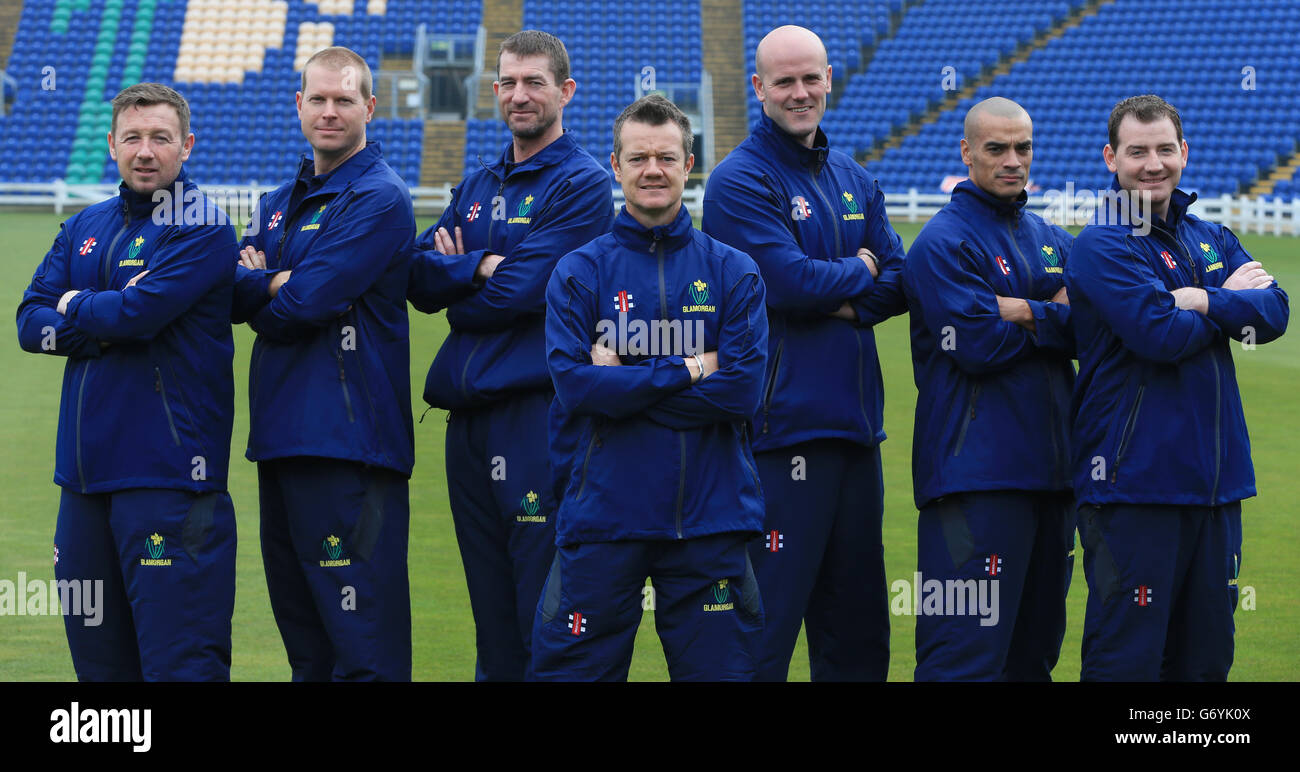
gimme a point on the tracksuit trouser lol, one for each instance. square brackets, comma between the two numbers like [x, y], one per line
[334, 538]
[160, 565]
[821, 561]
[1004, 560]
[1162, 589]
[503, 507]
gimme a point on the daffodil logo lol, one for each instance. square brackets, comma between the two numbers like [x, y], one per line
[333, 546]
[316, 217]
[1050, 256]
[1208, 253]
[155, 545]
[135, 247]
[525, 205]
[700, 292]
[530, 502]
[721, 592]
[850, 202]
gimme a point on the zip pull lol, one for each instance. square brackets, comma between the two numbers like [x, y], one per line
[339, 356]
[654, 244]
[157, 381]
[426, 412]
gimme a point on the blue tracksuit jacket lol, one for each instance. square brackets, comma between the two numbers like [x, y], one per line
[640, 451]
[993, 399]
[330, 370]
[1157, 414]
[533, 212]
[154, 408]
[801, 214]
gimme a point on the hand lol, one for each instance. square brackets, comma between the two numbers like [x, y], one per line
[487, 266]
[136, 278]
[277, 281]
[1017, 311]
[62, 307]
[710, 361]
[252, 258]
[1192, 299]
[1061, 297]
[1249, 276]
[443, 242]
[845, 312]
[873, 264]
[604, 356]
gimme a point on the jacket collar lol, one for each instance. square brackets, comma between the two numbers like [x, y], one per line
[969, 195]
[1119, 210]
[340, 176]
[139, 205]
[550, 155]
[787, 150]
[633, 235]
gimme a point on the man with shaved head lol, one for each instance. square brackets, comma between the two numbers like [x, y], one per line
[815, 223]
[991, 352]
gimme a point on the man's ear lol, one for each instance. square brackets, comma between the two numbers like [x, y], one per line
[1108, 154]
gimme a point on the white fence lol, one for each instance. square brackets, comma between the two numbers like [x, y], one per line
[1242, 214]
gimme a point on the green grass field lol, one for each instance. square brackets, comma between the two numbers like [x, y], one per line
[34, 648]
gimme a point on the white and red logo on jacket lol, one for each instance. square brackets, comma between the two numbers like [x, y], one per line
[623, 302]
[472, 214]
[1002, 265]
[275, 221]
[88, 245]
[1169, 260]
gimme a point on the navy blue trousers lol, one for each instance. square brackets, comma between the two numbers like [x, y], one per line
[503, 507]
[1022, 541]
[167, 562]
[1162, 589]
[708, 612]
[821, 561]
[334, 537]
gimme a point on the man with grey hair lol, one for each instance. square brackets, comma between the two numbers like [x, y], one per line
[815, 223]
[322, 282]
[138, 301]
[991, 353]
[486, 262]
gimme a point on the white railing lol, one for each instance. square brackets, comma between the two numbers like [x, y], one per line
[1241, 213]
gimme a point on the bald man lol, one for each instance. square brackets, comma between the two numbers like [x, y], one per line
[991, 352]
[815, 223]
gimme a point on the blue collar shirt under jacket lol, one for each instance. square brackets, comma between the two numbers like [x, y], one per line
[148, 390]
[329, 374]
[1157, 414]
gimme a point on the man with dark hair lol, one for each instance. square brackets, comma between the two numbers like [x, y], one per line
[649, 437]
[815, 223]
[1161, 454]
[991, 352]
[486, 262]
[323, 283]
[138, 300]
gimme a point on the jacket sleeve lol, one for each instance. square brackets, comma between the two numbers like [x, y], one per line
[734, 392]
[580, 211]
[886, 297]
[252, 286]
[951, 293]
[596, 390]
[1132, 300]
[346, 258]
[1265, 311]
[744, 212]
[1052, 328]
[438, 280]
[183, 268]
[37, 314]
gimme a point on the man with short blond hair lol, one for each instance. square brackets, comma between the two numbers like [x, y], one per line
[322, 282]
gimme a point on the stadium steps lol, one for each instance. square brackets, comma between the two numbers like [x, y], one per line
[722, 33]
[444, 152]
[397, 62]
[1284, 171]
[9, 13]
[501, 19]
[1002, 68]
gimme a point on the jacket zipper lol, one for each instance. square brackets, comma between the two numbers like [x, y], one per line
[81, 392]
[1126, 435]
[771, 384]
[158, 387]
[106, 272]
[593, 443]
[970, 414]
[744, 443]
[658, 248]
[862, 391]
[464, 370]
[839, 249]
[681, 483]
[343, 384]
[1218, 446]
[1024, 262]
[1056, 445]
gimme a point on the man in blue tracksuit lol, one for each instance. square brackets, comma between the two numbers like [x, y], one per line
[323, 283]
[991, 351]
[815, 223]
[136, 294]
[487, 262]
[656, 339]
[1161, 457]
